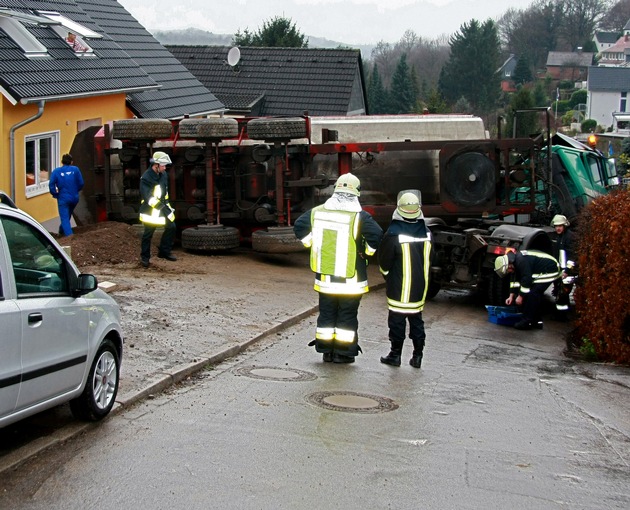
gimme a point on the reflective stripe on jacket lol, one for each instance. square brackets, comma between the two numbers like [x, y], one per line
[533, 267]
[154, 194]
[333, 246]
[404, 258]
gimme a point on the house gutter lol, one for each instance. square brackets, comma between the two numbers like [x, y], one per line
[14, 128]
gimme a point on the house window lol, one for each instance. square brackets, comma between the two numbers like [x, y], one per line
[72, 32]
[623, 102]
[31, 47]
[42, 155]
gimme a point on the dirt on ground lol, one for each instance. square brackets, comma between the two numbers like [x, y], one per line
[176, 313]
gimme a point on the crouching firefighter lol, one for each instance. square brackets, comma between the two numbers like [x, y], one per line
[155, 209]
[340, 235]
[532, 273]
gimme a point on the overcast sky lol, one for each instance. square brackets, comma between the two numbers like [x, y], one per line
[347, 21]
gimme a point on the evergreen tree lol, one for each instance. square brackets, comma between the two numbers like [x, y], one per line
[527, 123]
[522, 71]
[279, 32]
[471, 70]
[377, 95]
[435, 102]
[402, 97]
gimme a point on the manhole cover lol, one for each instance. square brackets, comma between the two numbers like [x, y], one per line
[275, 374]
[351, 402]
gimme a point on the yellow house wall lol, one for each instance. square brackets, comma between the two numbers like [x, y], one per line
[61, 116]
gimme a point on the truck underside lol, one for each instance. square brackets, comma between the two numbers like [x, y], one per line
[246, 180]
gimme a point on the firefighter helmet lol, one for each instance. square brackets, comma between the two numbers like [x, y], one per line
[161, 158]
[502, 263]
[408, 204]
[348, 183]
[558, 220]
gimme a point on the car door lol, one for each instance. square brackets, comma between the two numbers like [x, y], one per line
[54, 324]
[10, 339]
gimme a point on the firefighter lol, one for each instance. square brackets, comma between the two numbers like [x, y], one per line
[155, 209]
[404, 259]
[340, 235]
[566, 258]
[532, 272]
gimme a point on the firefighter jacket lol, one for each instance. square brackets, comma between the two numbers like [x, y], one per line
[154, 207]
[533, 267]
[404, 259]
[65, 183]
[339, 240]
[566, 251]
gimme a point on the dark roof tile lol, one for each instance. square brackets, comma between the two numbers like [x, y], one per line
[292, 80]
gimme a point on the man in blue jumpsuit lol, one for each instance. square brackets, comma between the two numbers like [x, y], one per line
[65, 183]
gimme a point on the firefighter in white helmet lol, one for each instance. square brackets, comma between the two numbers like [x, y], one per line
[155, 209]
[404, 258]
[532, 272]
[340, 235]
[565, 253]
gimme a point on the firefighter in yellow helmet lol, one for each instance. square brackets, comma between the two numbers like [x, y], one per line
[404, 258]
[340, 235]
[155, 209]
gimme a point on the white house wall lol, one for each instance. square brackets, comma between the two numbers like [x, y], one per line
[601, 105]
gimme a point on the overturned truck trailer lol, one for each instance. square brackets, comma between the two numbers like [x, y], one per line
[246, 180]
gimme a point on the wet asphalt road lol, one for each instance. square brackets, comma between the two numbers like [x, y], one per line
[496, 418]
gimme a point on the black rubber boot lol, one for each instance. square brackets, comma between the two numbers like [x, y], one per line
[393, 358]
[416, 361]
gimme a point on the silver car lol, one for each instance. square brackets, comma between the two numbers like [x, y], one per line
[60, 335]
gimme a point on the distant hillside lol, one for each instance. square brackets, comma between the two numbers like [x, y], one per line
[196, 37]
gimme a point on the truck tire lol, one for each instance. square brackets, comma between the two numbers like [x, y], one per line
[142, 129]
[276, 240]
[498, 290]
[216, 128]
[276, 129]
[210, 238]
[434, 288]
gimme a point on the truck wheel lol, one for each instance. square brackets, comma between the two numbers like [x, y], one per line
[217, 128]
[101, 387]
[276, 240]
[142, 129]
[276, 129]
[434, 288]
[498, 290]
[210, 238]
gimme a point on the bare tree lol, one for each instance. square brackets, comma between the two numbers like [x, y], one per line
[617, 17]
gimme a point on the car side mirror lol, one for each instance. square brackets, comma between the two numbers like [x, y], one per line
[86, 283]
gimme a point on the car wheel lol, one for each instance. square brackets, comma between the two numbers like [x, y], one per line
[101, 387]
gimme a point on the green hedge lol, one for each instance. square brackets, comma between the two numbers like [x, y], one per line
[601, 296]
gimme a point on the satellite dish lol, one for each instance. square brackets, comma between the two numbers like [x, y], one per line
[234, 55]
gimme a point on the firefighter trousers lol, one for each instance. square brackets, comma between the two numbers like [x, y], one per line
[338, 324]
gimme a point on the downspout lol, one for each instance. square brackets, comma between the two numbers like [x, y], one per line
[14, 128]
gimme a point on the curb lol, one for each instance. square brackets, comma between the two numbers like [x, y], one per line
[163, 381]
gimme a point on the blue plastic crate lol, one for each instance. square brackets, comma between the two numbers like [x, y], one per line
[503, 315]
